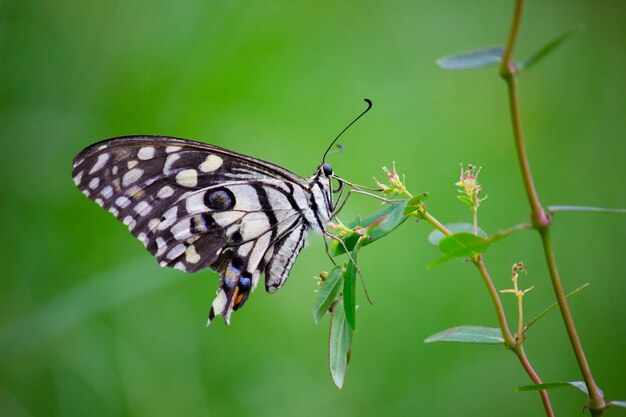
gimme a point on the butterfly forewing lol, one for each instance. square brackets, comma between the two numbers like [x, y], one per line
[196, 206]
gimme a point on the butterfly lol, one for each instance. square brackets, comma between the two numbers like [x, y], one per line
[196, 206]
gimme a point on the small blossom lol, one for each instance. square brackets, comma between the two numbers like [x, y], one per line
[396, 184]
[469, 187]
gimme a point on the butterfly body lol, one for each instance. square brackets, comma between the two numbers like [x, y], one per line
[196, 206]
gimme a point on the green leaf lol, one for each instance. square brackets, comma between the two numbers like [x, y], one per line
[481, 58]
[546, 49]
[349, 289]
[465, 200]
[339, 344]
[328, 294]
[414, 204]
[386, 224]
[435, 236]
[617, 403]
[460, 245]
[554, 209]
[469, 334]
[377, 225]
[580, 385]
[547, 310]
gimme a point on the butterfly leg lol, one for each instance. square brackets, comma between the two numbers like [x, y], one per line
[328, 250]
[333, 237]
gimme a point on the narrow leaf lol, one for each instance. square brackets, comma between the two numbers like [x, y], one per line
[554, 209]
[386, 224]
[469, 334]
[328, 294]
[546, 49]
[481, 58]
[349, 289]
[435, 236]
[339, 344]
[459, 245]
[547, 310]
[617, 403]
[580, 385]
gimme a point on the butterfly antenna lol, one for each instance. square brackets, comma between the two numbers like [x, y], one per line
[369, 106]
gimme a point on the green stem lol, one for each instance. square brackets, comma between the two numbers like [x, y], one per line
[430, 219]
[510, 341]
[596, 399]
[521, 355]
[539, 218]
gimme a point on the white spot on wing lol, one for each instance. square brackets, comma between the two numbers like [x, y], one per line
[143, 238]
[169, 217]
[94, 183]
[143, 208]
[171, 149]
[131, 164]
[99, 202]
[176, 251]
[153, 224]
[102, 159]
[187, 178]
[113, 211]
[220, 302]
[147, 152]
[165, 192]
[107, 191]
[244, 249]
[211, 163]
[181, 230]
[169, 161]
[257, 253]
[122, 201]
[161, 246]
[78, 177]
[225, 218]
[131, 176]
[195, 203]
[191, 255]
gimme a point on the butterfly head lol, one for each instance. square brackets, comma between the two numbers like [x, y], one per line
[327, 169]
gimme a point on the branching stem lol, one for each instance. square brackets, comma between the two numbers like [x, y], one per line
[540, 220]
[510, 342]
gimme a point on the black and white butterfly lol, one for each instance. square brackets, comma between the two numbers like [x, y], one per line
[197, 206]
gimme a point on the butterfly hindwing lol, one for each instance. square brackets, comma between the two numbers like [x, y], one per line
[196, 206]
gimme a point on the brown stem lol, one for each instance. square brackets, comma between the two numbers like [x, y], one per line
[545, 399]
[596, 399]
[539, 218]
[510, 341]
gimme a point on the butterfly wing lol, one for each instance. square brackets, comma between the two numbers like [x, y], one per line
[197, 206]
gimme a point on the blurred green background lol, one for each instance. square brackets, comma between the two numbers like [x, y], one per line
[91, 326]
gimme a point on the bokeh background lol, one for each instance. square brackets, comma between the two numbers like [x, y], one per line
[91, 326]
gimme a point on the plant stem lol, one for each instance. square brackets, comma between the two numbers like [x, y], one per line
[596, 399]
[510, 342]
[521, 355]
[509, 339]
[430, 219]
[539, 218]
